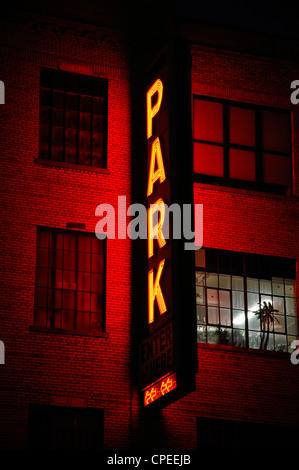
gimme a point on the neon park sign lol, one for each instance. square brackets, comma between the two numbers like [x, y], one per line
[168, 350]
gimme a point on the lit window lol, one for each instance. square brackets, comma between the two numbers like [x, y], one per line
[245, 300]
[73, 118]
[241, 146]
[70, 276]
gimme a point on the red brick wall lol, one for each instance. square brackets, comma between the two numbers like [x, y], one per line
[49, 368]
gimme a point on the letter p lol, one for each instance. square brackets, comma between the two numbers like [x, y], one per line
[157, 87]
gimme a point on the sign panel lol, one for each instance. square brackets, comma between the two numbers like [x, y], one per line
[168, 352]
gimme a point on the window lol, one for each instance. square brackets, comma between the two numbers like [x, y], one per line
[222, 434]
[242, 146]
[60, 428]
[73, 118]
[70, 281]
[245, 300]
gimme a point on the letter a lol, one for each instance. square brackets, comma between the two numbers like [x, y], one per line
[159, 174]
[154, 290]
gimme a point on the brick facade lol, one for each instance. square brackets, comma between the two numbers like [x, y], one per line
[98, 371]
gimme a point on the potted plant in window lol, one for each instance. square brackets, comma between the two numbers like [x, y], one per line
[266, 314]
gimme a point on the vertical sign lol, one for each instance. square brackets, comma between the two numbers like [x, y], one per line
[168, 352]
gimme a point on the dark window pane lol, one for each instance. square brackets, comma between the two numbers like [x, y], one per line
[224, 262]
[98, 124]
[71, 119]
[45, 97]
[58, 99]
[69, 260]
[277, 169]
[85, 121]
[84, 148]
[211, 260]
[237, 264]
[84, 262]
[97, 145]
[83, 321]
[242, 126]
[96, 303]
[55, 298]
[84, 282]
[71, 154]
[40, 318]
[42, 277]
[43, 238]
[98, 106]
[84, 243]
[55, 278]
[97, 160]
[42, 257]
[95, 322]
[58, 117]
[97, 283]
[69, 241]
[57, 136]
[72, 101]
[208, 121]
[97, 263]
[97, 245]
[44, 151]
[68, 299]
[57, 153]
[71, 139]
[68, 319]
[41, 296]
[68, 105]
[84, 157]
[208, 159]
[57, 319]
[242, 165]
[83, 301]
[69, 280]
[63, 279]
[86, 104]
[44, 134]
[276, 129]
[65, 428]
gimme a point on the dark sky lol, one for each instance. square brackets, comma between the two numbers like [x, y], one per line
[276, 17]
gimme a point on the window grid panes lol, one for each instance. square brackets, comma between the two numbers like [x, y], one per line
[243, 301]
[73, 118]
[70, 276]
[242, 145]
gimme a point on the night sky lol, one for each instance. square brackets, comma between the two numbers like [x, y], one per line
[256, 15]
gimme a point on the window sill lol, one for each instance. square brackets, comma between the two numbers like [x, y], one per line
[71, 166]
[39, 329]
[249, 351]
[247, 192]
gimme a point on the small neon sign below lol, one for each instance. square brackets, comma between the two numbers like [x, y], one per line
[160, 388]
